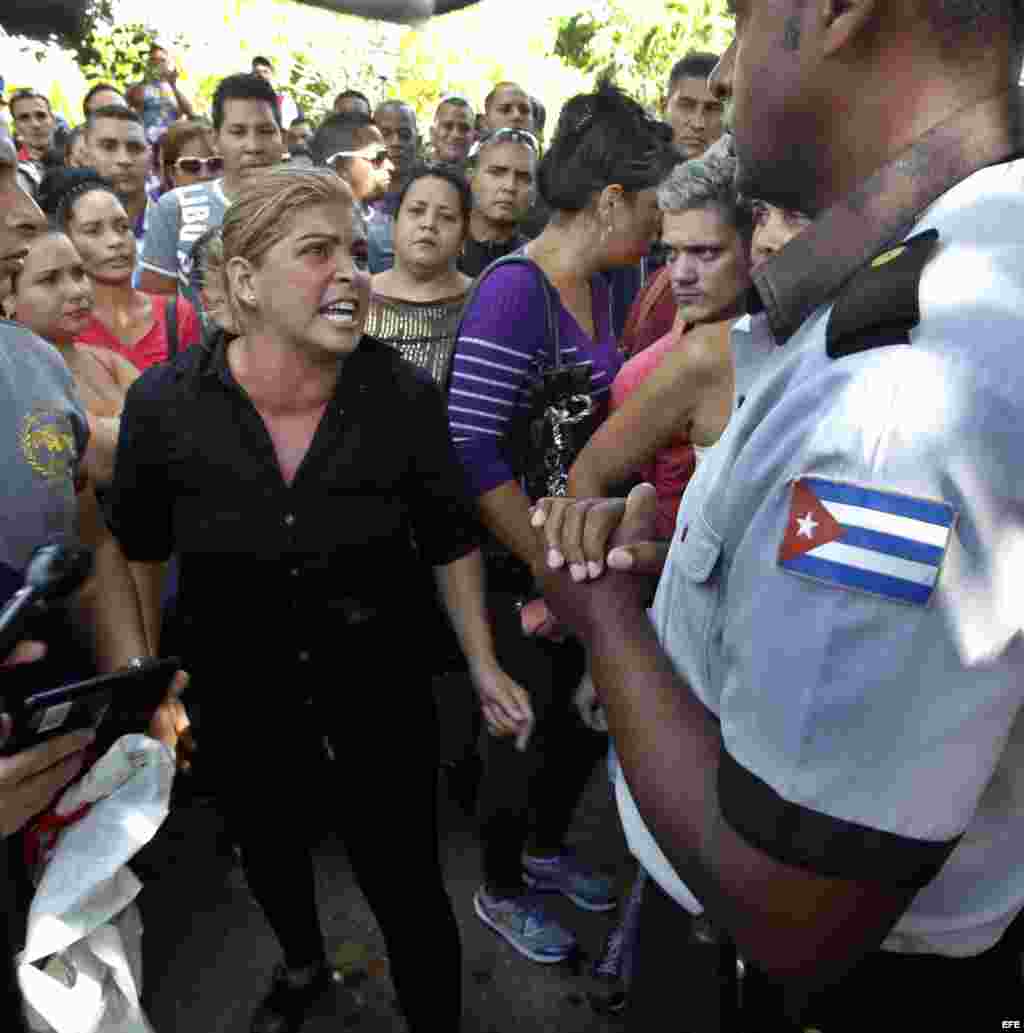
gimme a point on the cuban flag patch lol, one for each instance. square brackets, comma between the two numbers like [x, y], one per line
[866, 540]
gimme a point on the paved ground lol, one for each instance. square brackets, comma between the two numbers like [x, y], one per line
[209, 952]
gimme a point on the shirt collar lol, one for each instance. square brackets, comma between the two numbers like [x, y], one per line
[217, 366]
[878, 213]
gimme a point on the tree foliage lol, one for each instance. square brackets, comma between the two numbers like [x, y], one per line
[638, 42]
[116, 54]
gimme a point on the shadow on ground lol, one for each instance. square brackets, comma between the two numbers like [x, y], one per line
[209, 953]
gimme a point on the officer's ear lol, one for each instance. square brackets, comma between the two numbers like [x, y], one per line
[844, 22]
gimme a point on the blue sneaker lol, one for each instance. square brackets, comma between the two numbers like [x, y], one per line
[564, 874]
[524, 924]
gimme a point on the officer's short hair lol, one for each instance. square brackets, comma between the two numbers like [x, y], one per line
[708, 182]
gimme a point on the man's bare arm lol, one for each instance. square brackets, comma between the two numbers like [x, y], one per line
[797, 926]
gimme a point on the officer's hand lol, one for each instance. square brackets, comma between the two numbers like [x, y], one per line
[578, 534]
[587, 608]
[29, 780]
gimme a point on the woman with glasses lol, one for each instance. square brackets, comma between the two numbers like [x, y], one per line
[186, 156]
[142, 328]
[504, 188]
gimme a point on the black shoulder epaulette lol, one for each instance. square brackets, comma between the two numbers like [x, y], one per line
[879, 305]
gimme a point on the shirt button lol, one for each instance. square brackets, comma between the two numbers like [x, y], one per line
[304, 656]
[289, 519]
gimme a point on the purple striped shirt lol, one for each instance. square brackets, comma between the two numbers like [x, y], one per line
[503, 335]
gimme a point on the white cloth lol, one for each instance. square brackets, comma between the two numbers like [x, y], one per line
[83, 919]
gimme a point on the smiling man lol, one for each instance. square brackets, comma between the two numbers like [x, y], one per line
[821, 722]
[453, 130]
[247, 133]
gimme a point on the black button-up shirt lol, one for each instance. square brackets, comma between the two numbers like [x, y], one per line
[326, 575]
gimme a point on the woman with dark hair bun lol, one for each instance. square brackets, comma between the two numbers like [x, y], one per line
[141, 327]
[599, 176]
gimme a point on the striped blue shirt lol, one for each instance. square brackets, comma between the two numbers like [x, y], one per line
[496, 357]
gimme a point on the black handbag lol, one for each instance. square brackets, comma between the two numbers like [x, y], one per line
[560, 414]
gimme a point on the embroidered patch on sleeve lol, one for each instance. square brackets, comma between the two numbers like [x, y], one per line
[866, 540]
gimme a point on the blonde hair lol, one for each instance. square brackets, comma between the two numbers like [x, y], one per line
[261, 216]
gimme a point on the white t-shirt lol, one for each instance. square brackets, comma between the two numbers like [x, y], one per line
[175, 223]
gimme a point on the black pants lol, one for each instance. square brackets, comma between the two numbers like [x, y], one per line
[381, 792]
[548, 778]
[685, 982]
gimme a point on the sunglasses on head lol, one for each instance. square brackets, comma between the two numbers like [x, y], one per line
[520, 135]
[200, 166]
[376, 161]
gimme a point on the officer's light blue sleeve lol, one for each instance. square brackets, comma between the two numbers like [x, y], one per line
[864, 714]
[160, 248]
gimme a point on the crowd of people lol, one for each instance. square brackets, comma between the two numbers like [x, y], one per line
[619, 424]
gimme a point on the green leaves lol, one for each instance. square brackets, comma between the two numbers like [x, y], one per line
[638, 43]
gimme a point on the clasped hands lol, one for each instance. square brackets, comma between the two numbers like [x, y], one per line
[598, 558]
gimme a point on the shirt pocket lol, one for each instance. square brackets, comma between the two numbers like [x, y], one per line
[696, 601]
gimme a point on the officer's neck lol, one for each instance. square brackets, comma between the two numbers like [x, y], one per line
[873, 130]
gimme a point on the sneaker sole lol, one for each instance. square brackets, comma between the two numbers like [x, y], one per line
[581, 902]
[542, 959]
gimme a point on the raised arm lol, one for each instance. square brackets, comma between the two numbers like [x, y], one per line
[658, 412]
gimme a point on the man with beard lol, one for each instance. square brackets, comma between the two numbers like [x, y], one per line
[821, 722]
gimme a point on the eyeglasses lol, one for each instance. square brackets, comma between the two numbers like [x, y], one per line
[377, 161]
[200, 166]
[521, 135]
[509, 133]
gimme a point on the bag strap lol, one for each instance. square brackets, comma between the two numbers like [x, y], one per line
[172, 327]
[551, 317]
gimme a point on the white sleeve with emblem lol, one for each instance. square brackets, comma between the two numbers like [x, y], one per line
[872, 673]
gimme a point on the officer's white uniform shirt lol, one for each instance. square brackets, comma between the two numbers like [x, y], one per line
[877, 731]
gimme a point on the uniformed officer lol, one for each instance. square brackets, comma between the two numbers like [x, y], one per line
[820, 725]
[43, 434]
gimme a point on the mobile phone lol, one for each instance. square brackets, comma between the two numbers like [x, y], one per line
[111, 704]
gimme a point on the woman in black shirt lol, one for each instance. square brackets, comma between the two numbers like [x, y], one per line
[304, 475]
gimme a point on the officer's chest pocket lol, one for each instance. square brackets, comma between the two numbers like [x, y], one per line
[690, 635]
